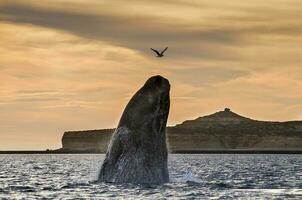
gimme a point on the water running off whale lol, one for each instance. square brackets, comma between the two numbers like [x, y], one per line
[137, 152]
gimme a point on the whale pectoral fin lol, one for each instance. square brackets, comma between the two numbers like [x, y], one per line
[115, 148]
[118, 146]
[108, 170]
[118, 143]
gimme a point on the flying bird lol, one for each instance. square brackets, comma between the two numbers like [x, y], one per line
[161, 54]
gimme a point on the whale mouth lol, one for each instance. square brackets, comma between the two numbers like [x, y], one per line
[161, 87]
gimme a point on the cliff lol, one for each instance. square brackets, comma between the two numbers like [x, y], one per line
[223, 130]
[89, 140]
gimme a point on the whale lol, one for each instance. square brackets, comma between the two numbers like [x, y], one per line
[137, 152]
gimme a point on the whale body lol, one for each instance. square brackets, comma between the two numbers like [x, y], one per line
[137, 152]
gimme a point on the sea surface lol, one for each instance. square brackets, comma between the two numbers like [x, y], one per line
[193, 176]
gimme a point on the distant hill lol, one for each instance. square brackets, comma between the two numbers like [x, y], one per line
[223, 130]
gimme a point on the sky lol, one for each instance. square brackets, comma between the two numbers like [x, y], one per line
[74, 64]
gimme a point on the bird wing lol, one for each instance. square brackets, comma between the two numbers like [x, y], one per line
[155, 51]
[164, 50]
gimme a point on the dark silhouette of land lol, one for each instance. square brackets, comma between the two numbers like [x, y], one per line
[221, 132]
[59, 151]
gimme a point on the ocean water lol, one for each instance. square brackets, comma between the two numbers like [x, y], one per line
[197, 176]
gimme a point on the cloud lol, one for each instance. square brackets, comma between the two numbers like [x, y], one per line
[214, 39]
[137, 33]
[207, 76]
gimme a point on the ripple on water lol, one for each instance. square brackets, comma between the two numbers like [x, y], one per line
[192, 177]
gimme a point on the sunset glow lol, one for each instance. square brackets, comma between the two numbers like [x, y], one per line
[73, 65]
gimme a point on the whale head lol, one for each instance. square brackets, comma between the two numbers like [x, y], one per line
[137, 152]
[152, 101]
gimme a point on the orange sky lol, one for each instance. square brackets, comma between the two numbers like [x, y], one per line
[74, 64]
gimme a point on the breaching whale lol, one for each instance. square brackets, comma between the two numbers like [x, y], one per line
[137, 152]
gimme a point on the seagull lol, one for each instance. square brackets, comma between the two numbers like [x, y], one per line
[161, 54]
